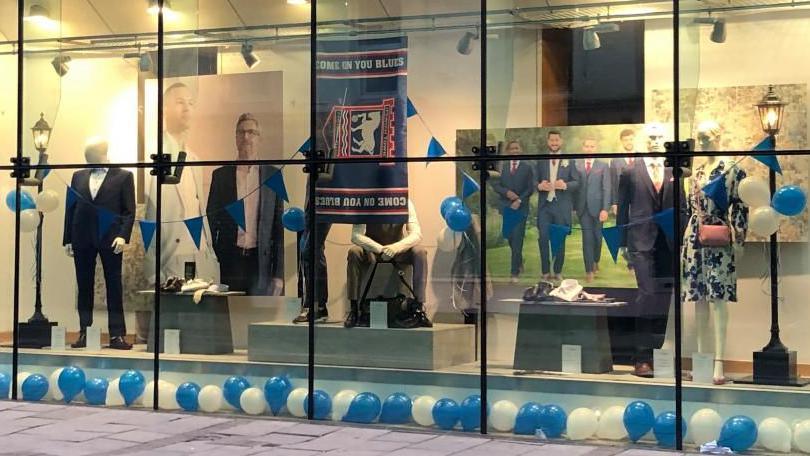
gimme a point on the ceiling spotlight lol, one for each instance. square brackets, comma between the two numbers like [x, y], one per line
[40, 15]
[250, 57]
[154, 8]
[465, 44]
[60, 64]
[590, 35]
[718, 28]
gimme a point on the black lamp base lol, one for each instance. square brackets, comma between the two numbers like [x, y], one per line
[35, 334]
[775, 368]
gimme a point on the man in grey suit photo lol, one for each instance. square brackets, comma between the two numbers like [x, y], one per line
[592, 204]
[251, 258]
[515, 187]
[557, 180]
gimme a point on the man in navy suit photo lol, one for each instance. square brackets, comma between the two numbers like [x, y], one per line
[592, 204]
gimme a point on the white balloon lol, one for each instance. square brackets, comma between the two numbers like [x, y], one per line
[422, 410]
[448, 240]
[341, 403]
[801, 436]
[210, 398]
[29, 220]
[764, 221]
[502, 416]
[114, 396]
[167, 396]
[252, 401]
[53, 385]
[148, 396]
[754, 192]
[582, 424]
[611, 424]
[704, 426]
[774, 434]
[295, 402]
[21, 376]
[47, 201]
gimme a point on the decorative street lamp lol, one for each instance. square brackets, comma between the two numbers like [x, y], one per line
[42, 134]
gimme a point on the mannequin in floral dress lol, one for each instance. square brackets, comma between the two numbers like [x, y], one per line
[709, 274]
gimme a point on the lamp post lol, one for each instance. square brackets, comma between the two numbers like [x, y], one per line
[36, 332]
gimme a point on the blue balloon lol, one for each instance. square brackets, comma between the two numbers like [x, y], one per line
[471, 413]
[664, 429]
[276, 390]
[364, 408]
[551, 420]
[95, 391]
[528, 419]
[446, 413]
[233, 388]
[459, 219]
[293, 219]
[789, 200]
[71, 382]
[131, 385]
[35, 387]
[323, 404]
[639, 418]
[26, 200]
[5, 385]
[451, 202]
[738, 433]
[396, 409]
[187, 396]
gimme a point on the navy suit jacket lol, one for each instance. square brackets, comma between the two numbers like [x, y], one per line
[617, 165]
[522, 183]
[594, 194]
[568, 174]
[116, 196]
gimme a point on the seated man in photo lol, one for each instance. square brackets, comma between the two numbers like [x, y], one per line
[388, 242]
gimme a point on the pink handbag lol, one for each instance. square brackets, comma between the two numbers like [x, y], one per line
[714, 235]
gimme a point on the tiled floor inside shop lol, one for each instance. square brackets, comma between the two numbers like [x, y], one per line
[32, 429]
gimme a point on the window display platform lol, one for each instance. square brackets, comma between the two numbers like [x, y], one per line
[440, 347]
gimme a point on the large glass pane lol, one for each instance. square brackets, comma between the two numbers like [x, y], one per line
[580, 242]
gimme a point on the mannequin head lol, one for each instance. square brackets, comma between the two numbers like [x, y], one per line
[248, 136]
[708, 133]
[95, 151]
[655, 137]
[178, 107]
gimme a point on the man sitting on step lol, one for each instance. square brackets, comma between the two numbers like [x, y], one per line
[388, 242]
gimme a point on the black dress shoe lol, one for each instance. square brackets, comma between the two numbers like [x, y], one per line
[118, 343]
[321, 316]
[81, 342]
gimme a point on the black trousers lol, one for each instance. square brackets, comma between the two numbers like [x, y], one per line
[315, 241]
[653, 270]
[515, 239]
[240, 270]
[552, 212]
[84, 259]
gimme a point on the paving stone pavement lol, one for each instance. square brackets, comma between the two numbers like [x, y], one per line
[32, 429]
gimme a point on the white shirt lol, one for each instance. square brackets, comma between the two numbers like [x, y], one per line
[97, 176]
[247, 189]
[413, 234]
[553, 167]
[655, 169]
[513, 166]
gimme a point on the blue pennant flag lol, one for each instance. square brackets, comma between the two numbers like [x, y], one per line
[276, 183]
[613, 239]
[147, 232]
[237, 212]
[666, 221]
[557, 234]
[70, 198]
[411, 110]
[195, 226]
[468, 185]
[771, 161]
[511, 219]
[105, 220]
[306, 147]
[435, 149]
[716, 191]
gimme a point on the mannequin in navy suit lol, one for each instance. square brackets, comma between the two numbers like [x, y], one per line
[592, 204]
[111, 190]
[645, 190]
[557, 182]
[515, 186]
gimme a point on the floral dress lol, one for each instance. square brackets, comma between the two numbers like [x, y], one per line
[710, 273]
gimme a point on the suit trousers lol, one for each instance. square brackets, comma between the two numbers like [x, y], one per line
[240, 270]
[84, 259]
[360, 263]
[516, 246]
[654, 277]
[316, 241]
[554, 213]
[591, 239]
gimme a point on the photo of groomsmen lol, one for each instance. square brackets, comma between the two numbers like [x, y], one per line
[592, 202]
[557, 181]
[515, 187]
